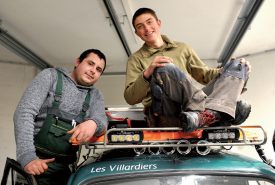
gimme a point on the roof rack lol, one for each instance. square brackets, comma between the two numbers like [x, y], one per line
[171, 139]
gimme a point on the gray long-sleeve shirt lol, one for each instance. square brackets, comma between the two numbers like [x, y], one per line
[38, 96]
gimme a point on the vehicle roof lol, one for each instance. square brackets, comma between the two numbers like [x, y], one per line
[121, 163]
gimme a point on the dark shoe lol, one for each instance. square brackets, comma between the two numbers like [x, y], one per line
[189, 121]
[243, 110]
[192, 120]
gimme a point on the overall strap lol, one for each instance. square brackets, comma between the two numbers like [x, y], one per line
[85, 107]
[58, 91]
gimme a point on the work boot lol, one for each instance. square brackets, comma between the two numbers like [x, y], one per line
[243, 109]
[192, 120]
[242, 112]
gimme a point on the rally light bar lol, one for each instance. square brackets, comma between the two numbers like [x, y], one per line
[175, 137]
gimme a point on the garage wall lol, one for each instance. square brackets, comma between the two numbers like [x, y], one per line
[261, 91]
[13, 81]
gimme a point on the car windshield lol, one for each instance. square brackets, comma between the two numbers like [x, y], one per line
[190, 180]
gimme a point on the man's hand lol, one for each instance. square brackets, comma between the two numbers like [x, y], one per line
[246, 63]
[37, 166]
[83, 132]
[159, 61]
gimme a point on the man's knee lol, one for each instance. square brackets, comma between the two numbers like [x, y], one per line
[171, 71]
[167, 68]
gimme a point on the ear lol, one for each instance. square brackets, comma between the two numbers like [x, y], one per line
[159, 22]
[77, 62]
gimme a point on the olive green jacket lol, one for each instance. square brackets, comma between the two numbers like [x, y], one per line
[137, 88]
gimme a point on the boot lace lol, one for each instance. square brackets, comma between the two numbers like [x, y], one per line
[207, 118]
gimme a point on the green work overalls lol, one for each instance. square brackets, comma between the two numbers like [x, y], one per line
[52, 141]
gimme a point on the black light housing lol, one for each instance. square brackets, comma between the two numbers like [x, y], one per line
[273, 141]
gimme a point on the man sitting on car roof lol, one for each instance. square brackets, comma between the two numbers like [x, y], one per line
[164, 75]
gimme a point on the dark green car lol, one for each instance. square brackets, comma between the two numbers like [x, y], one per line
[123, 167]
[166, 156]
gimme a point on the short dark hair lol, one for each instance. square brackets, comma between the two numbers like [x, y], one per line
[95, 51]
[141, 11]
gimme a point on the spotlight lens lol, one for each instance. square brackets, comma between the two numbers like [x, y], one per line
[114, 138]
[211, 136]
[225, 135]
[121, 138]
[231, 135]
[129, 138]
[218, 136]
[136, 137]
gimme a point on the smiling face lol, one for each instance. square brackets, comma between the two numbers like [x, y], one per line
[147, 27]
[88, 71]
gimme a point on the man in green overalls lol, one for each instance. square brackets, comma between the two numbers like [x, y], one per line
[59, 106]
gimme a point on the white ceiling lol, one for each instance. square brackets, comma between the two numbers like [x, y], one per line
[58, 31]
